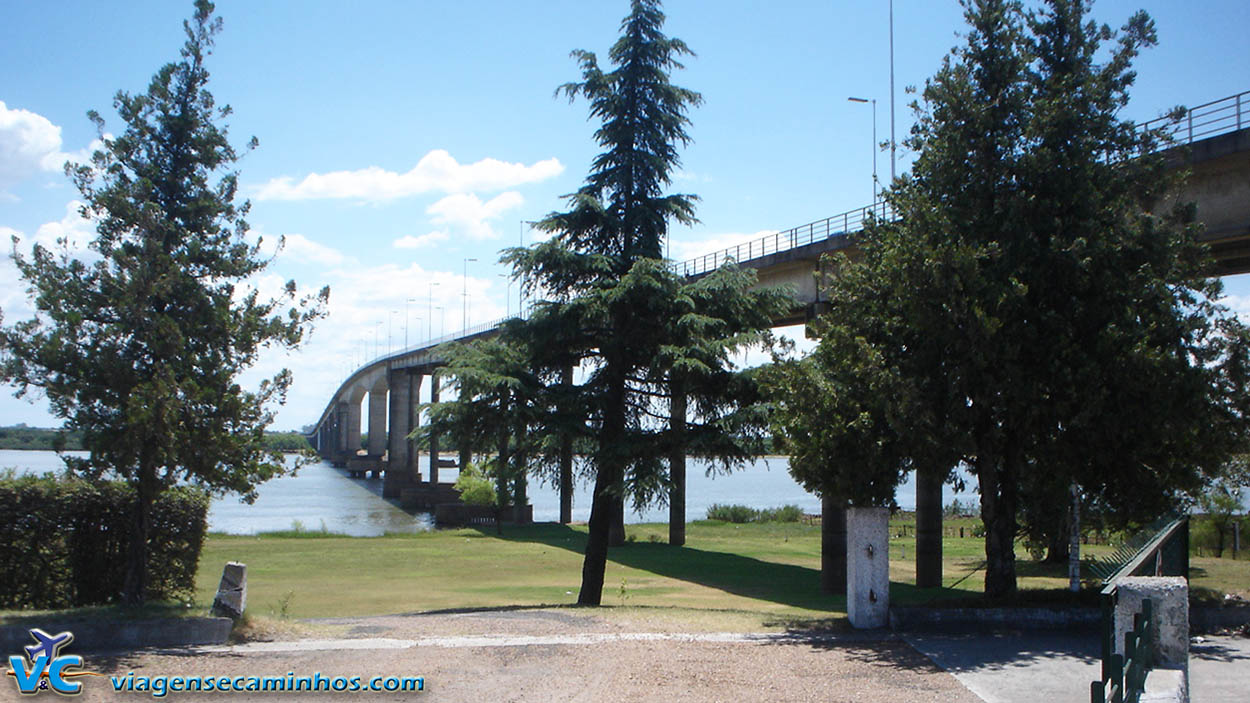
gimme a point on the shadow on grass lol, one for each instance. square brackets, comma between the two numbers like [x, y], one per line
[784, 584]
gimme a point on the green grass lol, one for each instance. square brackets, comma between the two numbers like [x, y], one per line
[770, 569]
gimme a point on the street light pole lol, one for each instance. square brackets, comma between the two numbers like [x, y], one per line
[431, 311]
[390, 325]
[874, 143]
[409, 300]
[892, 174]
[508, 295]
[464, 321]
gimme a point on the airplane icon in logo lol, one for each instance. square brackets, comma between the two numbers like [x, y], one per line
[49, 645]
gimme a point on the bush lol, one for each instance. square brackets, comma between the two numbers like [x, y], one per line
[742, 513]
[475, 488]
[63, 542]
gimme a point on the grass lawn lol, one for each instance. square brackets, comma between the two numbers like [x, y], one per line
[770, 570]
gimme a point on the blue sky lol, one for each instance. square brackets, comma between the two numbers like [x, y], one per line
[398, 139]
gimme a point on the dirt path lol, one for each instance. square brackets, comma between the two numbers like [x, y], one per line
[555, 655]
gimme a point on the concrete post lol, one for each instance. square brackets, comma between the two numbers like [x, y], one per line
[397, 471]
[566, 462]
[868, 567]
[353, 426]
[231, 599]
[928, 528]
[832, 546]
[1170, 599]
[340, 420]
[414, 421]
[677, 465]
[377, 418]
[433, 437]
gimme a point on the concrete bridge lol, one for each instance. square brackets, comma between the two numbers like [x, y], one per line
[1215, 146]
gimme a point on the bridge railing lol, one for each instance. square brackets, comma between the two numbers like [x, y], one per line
[1221, 116]
[1207, 120]
[838, 225]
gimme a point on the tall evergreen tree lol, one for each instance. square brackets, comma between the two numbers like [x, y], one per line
[1034, 315]
[140, 346]
[612, 302]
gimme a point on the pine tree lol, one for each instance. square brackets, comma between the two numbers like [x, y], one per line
[1031, 313]
[140, 345]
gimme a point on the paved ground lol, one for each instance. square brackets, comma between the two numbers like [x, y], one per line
[1057, 667]
[558, 656]
[561, 655]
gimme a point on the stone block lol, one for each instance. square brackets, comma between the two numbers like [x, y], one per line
[232, 593]
[1170, 598]
[868, 567]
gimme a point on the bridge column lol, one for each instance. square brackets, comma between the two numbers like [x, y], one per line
[353, 427]
[340, 422]
[377, 418]
[398, 465]
[433, 436]
[414, 420]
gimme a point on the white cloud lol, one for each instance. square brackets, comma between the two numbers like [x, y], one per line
[682, 250]
[303, 249]
[76, 232]
[466, 212]
[426, 240]
[436, 171]
[29, 143]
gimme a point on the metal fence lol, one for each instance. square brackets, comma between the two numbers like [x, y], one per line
[1123, 678]
[1207, 120]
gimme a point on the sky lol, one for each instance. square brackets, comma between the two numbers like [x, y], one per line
[402, 145]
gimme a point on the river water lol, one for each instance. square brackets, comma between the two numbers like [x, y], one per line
[320, 496]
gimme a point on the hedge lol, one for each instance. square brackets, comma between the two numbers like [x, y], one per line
[63, 542]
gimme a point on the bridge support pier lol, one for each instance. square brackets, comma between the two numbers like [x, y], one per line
[340, 422]
[377, 418]
[404, 387]
[353, 427]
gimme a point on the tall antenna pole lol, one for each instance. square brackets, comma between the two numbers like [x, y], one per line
[892, 173]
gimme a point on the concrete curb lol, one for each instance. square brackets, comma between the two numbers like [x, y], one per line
[97, 636]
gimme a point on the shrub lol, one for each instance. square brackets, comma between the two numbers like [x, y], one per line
[63, 542]
[475, 488]
[742, 513]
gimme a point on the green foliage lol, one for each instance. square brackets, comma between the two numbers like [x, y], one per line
[1025, 313]
[22, 437]
[742, 513]
[612, 305]
[475, 487]
[139, 344]
[63, 543]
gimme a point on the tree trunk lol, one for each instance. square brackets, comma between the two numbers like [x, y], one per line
[998, 511]
[134, 588]
[832, 546]
[616, 536]
[677, 466]
[566, 463]
[608, 479]
[928, 528]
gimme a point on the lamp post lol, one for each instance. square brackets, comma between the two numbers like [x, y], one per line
[892, 174]
[376, 350]
[874, 143]
[409, 300]
[508, 295]
[442, 318]
[431, 311]
[464, 320]
[390, 325]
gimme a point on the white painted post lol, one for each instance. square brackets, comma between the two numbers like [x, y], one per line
[868, 567]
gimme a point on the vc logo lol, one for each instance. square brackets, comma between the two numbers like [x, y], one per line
[47, 666]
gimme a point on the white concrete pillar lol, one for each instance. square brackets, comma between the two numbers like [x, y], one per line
[868, 567]
[340, 435]
[353, 425]
[377, 418]
[398, 473]
[1169, 596]
[433, 437]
